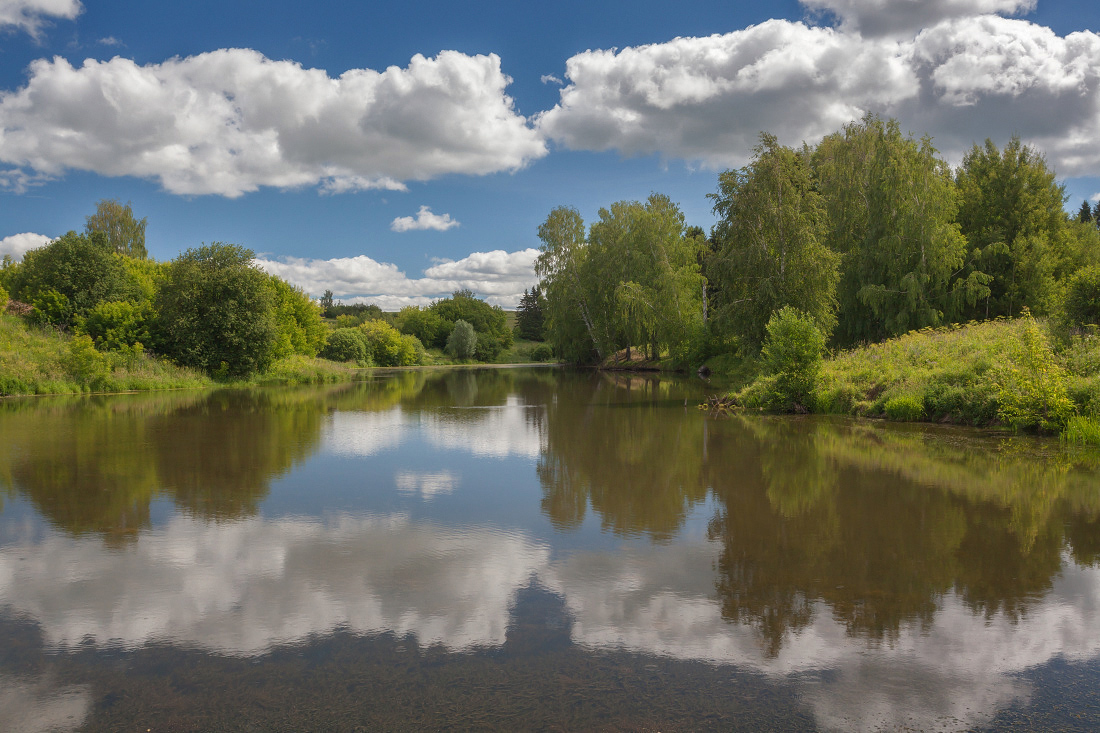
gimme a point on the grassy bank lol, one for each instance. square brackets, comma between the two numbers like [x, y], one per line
[37, 360]
[1005, 372]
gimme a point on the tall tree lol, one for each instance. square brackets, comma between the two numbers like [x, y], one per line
[561, 270]
[770, 246]
[529, 316]
[890, 206]
[1011, 214]
[1084, 215]
[116, 222]
[646, 271]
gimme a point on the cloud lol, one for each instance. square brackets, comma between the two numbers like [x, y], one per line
[707, 99]
[230, 121]
[550, 79]
[110, 41]
[882, 17]
[18, 245]
[30, 15]
[499, 276]
[424, 219]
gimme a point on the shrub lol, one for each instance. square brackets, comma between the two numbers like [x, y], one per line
[386, 346]
[1081, 430]
[542, 352]
[86, 365]
[116, 326]
[1031, 390]
[462, 343]
[51, 308]
[792, 353]
[345, 344]
[905, 408]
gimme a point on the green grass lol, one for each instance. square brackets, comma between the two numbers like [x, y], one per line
[975, 374]
[37, 361]
[1082, 430]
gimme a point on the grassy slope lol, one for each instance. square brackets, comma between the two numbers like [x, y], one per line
[43, 361]
[946, 375]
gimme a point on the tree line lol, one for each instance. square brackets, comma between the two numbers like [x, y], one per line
[870, 234]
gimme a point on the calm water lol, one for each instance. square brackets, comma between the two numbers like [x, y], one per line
[535, 549]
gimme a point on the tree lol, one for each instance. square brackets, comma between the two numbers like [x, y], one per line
[326, 303]
[770, 248]
[386, 346]
[529, 316]
[561, 267]
[299, 329]
[76, 271]
[425, 324]
[890, 213]
[215, 311]
[489, 321]
[1085, 214]
[462, 343]
[124, 233]
[1010, 211]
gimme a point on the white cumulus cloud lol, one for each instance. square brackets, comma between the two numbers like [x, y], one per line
[230, 121]
[423, 220]
[31, 15]
[501, 277]
[18, 245]
[961, 80]
[881, 17]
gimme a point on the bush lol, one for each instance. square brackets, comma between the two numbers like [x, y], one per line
[345, 344]
[85, 365]
[1081, 430]
[542, 352]
[792, 352]
[1031, 391]
[214, 311]
[386, 346]
[463, 341]
[116, 326]
[82, 269]
[905, 408]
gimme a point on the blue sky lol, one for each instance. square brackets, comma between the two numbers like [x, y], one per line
[394, 152]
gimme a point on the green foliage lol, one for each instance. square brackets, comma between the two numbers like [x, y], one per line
[891, 207]
[386, 346]
[1082, 430]
[51, 308]
[490, 322]
[86, 365]
[530, 320]
[1082, 300]
[346, 344]
[792, 353]
[83, 269]
[462, 343]
[542, 352]
[3, 298]
[771, 251]
[1031, 388]
[361, 311]
[214, 311]
[905, 408]
[1010, 211]
[300, 329]
[326, 303]
[124, 234]
[424, 323]
[562, 274]
[117, 325]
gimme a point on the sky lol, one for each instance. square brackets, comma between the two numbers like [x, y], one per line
[396, 152]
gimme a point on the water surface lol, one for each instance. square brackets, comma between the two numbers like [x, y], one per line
[535, 549]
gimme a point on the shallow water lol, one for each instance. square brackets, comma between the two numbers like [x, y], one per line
[535, 549]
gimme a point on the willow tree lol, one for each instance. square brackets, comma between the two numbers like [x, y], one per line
[561, 270]
[769, 244]
[890, 207]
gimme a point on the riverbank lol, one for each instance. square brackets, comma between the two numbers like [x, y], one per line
[37, 361]
[1009, 373]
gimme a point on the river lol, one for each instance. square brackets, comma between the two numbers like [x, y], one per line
[536, 549]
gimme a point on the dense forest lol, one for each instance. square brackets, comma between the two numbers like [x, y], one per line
[870, 234]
